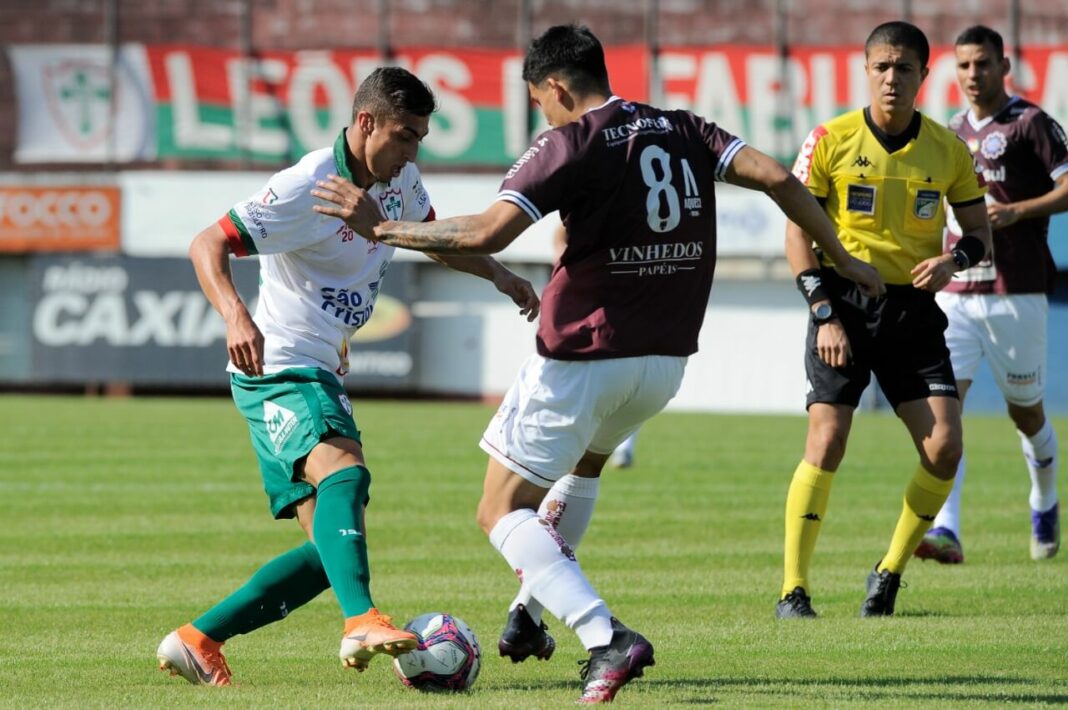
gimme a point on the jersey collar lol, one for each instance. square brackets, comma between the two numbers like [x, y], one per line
[978, 125]
[611, 98]
[342, 156]
[890, 143]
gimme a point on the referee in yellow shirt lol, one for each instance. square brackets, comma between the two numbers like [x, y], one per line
[882, 174]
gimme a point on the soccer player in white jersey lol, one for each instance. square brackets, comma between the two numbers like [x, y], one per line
[998, 309]
[621, 313]
[319, 282]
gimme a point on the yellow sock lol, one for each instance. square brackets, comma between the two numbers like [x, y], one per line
[924, 497]
[806, 504]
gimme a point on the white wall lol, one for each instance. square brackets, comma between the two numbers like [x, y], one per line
[162, 211]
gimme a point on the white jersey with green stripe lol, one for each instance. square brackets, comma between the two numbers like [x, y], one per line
[319, 279]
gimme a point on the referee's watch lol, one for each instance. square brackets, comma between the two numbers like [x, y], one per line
[823, 313]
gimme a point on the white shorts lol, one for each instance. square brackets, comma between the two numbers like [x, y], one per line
[1009, 330]
[557, 410]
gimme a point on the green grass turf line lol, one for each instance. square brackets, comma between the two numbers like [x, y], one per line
[122, 519]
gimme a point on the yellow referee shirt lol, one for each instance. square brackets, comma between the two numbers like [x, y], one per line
[885, 194]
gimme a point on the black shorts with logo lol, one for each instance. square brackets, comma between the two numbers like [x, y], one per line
[898, 336]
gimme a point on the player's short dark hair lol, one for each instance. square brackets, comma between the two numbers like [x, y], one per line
[981, 34]
[900, 34]
[390, 91]
[572, 51]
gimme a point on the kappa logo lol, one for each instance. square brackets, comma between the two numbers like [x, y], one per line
[862, 162]
[812, 516]
[269, 197]
[280, 424]
[811, 283]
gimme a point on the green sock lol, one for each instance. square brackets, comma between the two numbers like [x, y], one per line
[338, 530]
[287, 582]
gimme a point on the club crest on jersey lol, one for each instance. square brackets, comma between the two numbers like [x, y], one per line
[973, 145]
[994, 145]
[392, 203]
[926, 205]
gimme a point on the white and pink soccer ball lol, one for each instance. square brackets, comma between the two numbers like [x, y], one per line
[448, 656]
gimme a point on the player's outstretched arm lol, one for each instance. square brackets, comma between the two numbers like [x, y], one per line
[515, 287]
[211, 261]
[486, 233]
[757, 171]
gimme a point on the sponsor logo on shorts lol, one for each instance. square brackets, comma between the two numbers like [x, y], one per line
[280, 423]
[939, 387]
[1020, 379]
[345, 404]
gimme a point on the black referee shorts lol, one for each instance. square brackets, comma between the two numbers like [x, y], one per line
[899, 337]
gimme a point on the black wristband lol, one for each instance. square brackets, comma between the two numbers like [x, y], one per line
[969, 247]
[810, 284]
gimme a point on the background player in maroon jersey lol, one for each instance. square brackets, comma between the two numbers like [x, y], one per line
[998, 308]
[620, 315]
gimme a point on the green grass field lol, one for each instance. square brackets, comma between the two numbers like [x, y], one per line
[122, 519]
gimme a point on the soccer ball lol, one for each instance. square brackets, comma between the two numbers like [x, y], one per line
[448, 656]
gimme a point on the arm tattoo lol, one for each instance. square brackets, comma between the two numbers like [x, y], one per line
[455, 235]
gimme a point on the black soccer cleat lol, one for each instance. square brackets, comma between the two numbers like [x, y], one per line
[882, 593]
[611, 667]
[522, 638]
[795, 605]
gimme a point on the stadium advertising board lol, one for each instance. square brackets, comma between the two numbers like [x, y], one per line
[184, 102]
[146, 321]
[59, 218]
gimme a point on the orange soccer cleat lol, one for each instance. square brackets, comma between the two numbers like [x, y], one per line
[194, 656]
[370, 634]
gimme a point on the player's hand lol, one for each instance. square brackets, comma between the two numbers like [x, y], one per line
[244, 343]
[520, 291]
[864, 274]
[1002, 215]
[832, 343]
[934, 274]
[350, 204]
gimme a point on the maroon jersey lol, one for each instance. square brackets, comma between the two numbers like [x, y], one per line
[633, 185]
[1022, 151]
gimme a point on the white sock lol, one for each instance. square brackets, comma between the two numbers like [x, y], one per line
[949, 515]
[545, 562]
[1040, 451]
[568, 506]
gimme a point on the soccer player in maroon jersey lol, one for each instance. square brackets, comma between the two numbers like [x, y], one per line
[998, 308]
[620, 315]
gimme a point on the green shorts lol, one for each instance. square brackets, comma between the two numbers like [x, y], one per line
[288, 413]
